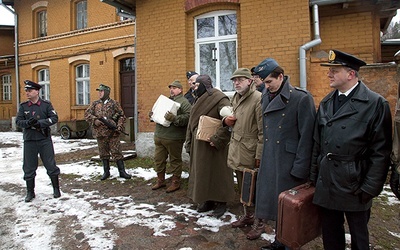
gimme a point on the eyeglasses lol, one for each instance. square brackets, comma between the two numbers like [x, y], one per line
[238, 80]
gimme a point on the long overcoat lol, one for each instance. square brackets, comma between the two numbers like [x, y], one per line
[361, 128]
[288, 129]
[209, 176]
[247, 134]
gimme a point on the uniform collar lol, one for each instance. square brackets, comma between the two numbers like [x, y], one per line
[37, 103]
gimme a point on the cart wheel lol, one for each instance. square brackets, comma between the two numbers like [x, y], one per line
[65, 132]
[81, 134]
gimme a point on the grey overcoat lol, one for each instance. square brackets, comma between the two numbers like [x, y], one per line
[288, 129]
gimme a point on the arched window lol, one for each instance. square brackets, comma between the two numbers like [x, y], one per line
[82, 79]
[81, 14]
[44, 81]
[216, 47]
[6, 87]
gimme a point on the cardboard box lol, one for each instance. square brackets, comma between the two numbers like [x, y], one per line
[162, 106]
[208, 126]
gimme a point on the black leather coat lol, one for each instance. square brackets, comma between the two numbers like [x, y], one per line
[351, 150]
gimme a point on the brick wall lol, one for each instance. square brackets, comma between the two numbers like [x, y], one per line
[65, 47]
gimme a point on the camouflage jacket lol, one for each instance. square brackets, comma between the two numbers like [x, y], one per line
[111, 111]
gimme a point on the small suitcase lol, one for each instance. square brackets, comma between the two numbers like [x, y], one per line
[299, 220]
[248, 186]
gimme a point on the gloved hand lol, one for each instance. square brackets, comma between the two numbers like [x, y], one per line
[97, 122]
[32, 121]
[120, 128]
[257, 163]
[169, 116]
[230, 121]
[365, 197]
[394, 183]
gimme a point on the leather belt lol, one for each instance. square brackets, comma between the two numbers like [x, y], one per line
[337, 157]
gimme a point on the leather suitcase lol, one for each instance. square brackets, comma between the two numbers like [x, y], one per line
[248, 186]
[299, 220]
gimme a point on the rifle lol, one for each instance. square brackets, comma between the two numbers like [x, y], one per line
[110, 125]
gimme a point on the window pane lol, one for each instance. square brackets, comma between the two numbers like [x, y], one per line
[128, 64]
[205, 27]
[227, 25]
[81, 15]
[44, 81]
[42, 22]
[227, 56]
[6, 86]
[207, 60]
[83, 84]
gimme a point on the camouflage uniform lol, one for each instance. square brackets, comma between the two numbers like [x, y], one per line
[107, 139]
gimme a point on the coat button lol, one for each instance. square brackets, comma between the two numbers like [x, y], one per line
[279, 126]
[343, 127]
[283, 114]
[277, 142]
[266, 139]
[329, 124]
[326, 142]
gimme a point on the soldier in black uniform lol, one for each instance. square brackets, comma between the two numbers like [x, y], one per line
[36, 116]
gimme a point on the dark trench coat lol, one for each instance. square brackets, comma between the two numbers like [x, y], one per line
[362, 128]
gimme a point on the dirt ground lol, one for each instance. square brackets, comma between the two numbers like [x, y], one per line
[385, 218]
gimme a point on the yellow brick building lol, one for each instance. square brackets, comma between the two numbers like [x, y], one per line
[164, 39]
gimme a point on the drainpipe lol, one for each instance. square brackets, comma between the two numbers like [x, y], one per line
[302, 50]
[317, 39]
[16, 51]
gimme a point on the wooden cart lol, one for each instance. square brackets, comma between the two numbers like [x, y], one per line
[79, 127]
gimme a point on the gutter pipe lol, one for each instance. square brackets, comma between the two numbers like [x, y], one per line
[16, 51]
[317, 39]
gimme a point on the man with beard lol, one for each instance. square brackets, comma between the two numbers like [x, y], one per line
[246, 142]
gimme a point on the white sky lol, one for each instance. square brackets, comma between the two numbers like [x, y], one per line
[7, 18]
[91, 220]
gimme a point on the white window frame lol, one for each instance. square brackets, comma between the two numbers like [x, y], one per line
[215, 39]
[81, 15]
[7, 87]
[82, 84]
[42, 23]
[44, 81]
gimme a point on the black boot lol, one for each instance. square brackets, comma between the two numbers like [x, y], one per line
[30, 190]
[121, 169]
[56, 186]
[106, 167]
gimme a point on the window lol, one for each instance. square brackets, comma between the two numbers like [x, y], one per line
[216, 47]
[6, 84]
[44, 81]
[82, 84]
[81, 15]
[42, 23]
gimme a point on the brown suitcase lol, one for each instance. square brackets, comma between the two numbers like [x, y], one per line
[248, 186]
[299, 220]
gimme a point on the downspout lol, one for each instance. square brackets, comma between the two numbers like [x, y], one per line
[317, 39]
[302, 50]
[16, 51]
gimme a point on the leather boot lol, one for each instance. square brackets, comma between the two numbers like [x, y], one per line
[121, 169]
[257, 229]
[160, 181]
[30, 190]
[175, 184]
[246, 219]
[219, 210]
[106, 167]
[56, 186]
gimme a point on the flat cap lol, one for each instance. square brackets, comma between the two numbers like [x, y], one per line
[32, 85]
[241, 72]
[339, 58]
[175, 83]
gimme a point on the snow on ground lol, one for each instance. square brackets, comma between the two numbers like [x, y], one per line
[44, 211]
